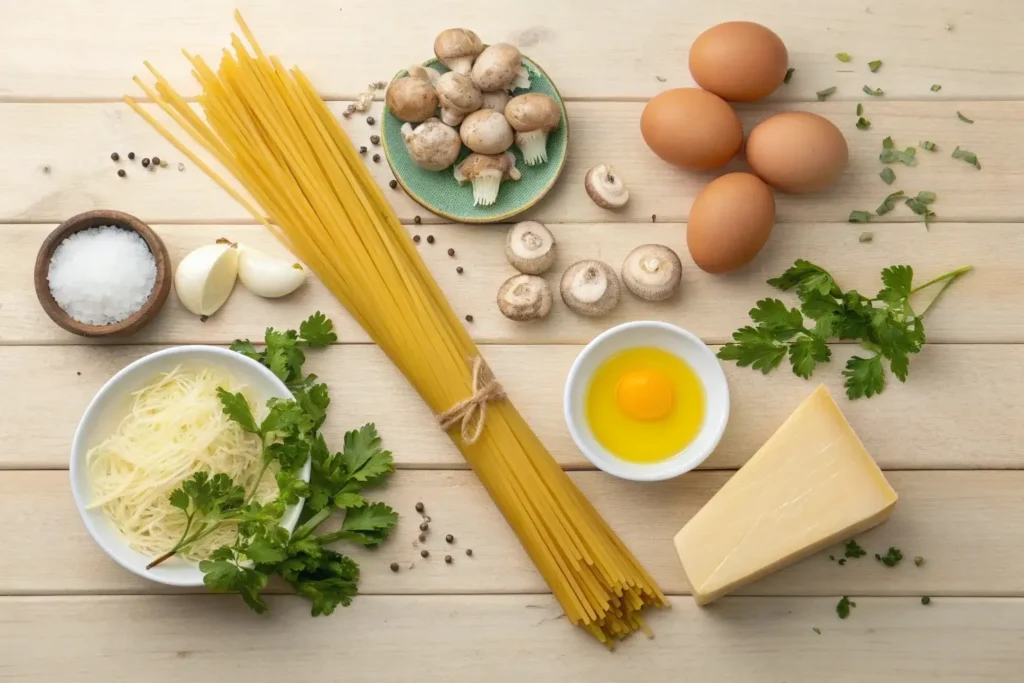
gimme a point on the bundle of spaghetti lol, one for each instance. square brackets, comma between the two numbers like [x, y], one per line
[273, 133]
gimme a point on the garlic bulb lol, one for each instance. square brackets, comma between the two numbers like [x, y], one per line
[269, 276]
[205, 277]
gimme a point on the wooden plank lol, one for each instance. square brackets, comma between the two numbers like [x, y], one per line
[958, 409]
[76, 140]
[968, 525]
[596, 52]
[446, 638]
[982, 307]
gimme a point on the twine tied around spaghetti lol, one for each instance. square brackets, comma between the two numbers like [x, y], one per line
[470, 413]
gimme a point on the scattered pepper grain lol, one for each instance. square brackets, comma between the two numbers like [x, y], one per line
[448, 559]
[181, 167]
[469, 552]
[131, 156]
[469, 318]
[376, 158]
[46, 168]
[424, 553]
[423, 538]
[424, 526]
[392, 183]
[451, 252]
[375, 139]
[419, 506]
[654, 217]
[394, 566]
[156, 161]
[450, 538]
[416, 239]
[370, 120]
[430, 239]
[458, 269]
[114, 156]
[417, 220]
[926, 600]
[362, 149]
[145, 162]
[121, 173]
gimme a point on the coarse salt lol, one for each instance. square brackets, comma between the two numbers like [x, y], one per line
[102, 275]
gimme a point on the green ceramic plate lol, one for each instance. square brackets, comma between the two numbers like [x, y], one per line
[439, 193]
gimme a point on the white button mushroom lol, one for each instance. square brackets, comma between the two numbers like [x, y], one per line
[486, 173]
[432, 145]
[486, 132]
[496, 101]
[530, 247]
[411, 99]
[590, 288]
[524, 297]
[457, 96]
[500, 67]
[424, 73]
[652, 272]
[605, 188]
[533, 116]
[457, 48]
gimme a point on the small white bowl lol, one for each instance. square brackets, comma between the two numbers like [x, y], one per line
[669, 338]
[109, 407]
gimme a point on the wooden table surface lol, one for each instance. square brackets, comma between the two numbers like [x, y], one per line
[951, 439]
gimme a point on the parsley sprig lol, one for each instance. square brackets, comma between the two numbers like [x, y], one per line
[290, 437]
[886, 326]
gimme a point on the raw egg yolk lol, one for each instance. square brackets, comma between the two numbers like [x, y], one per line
[644, 395]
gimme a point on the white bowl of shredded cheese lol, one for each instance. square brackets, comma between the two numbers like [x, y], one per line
[129, 464]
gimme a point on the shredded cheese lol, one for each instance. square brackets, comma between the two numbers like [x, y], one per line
[174, 428]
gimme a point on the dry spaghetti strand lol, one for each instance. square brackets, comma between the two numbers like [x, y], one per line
[268, 127]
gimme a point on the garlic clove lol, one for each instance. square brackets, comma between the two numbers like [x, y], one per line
[269, 276]
[206, 276]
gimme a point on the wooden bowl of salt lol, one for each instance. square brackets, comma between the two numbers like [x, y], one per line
[102, 274]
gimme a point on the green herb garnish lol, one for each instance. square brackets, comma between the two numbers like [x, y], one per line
[885, 325]
[789, 75]
[843, 607]
[816, 630]
[889, 203]
[842, 561]
[826, 93]
[928, 145]
[891, 155]
[877, 92]
[891, 558]
[863, 123]
[969, 157]
[888, 175]
[918, 561]
[875, 65]
[936, 87]
[859, 217]
[865, 237]
[843, 57]
[853, 549]
[860, 109]
[963, 118]
[920, 205]
[887, 143]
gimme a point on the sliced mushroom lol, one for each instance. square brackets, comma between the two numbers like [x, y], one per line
[457, 48]
[533, 116]
[486, 173]
[424, 73]
[496, 101]
[652, 272]
[432, 144]
[486, 132]
[590, 288]
[605, 188]
[500, 67]
[411, 99]
[530, 248]
[457, 96]
[524, 298]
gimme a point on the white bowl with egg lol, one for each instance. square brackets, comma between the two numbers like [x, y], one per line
[665, 337]
[109, 407]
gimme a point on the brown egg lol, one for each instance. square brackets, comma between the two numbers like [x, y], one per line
[797, 152]
[739, 61]
[691, 128]
[730, 221]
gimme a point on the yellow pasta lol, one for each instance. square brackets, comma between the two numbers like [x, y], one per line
[268, 127]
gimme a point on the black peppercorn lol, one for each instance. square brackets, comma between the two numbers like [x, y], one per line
[424, 526]
[362, 150]
[376, 157]
[156, 161]
[451, 252]
[469, 552]
[458, 270]
[430, 239]
[145, 162]
[469, 318]
[417, 220]
[79, 374]
[424, 553]
[115, 156]
[419, 506]
[375, 139]
[370, 120]
[416, 239]
[448, 559]
[926, 600]
[423, 538]
[394, 566]
[450, 538]
[131, 155]
[393, 184]
[121, 172]
[654, 217]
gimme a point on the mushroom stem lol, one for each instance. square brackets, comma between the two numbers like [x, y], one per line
[533, 145]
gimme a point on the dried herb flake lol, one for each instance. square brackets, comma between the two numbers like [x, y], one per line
[964, 118]
[826, 93]
[936, 87]
[789, 75]
[969, 157]
[877, 92]
[874, 65]
[887, 175]
[928, 145]
[843, 57]
[859, 217]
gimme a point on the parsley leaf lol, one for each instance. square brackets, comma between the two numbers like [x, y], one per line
[368, 525]
[806, 353]
[364, 459]
[891, 558]
[805, 277]
[864, 377]
[237, 408]
[969, 157]
[854, 550]
[754, 347]
[317, 331]
[843, 607]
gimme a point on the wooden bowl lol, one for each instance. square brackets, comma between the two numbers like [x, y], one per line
[93, 219]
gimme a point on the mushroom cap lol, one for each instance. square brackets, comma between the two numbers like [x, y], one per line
[605, 188]
[524, 298]
[475, 165]
[457, 43]
[530, 247]
[486, 132]
[411, 99]
[432, 145]
[457, 91]
[652, 272]
[424, 73]
[533, 111]
[590, 288]
[495, 100]
[497, 67]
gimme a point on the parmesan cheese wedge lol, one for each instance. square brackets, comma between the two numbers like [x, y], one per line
[812, 484]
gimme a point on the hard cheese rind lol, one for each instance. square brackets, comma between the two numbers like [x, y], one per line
[811, 485]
